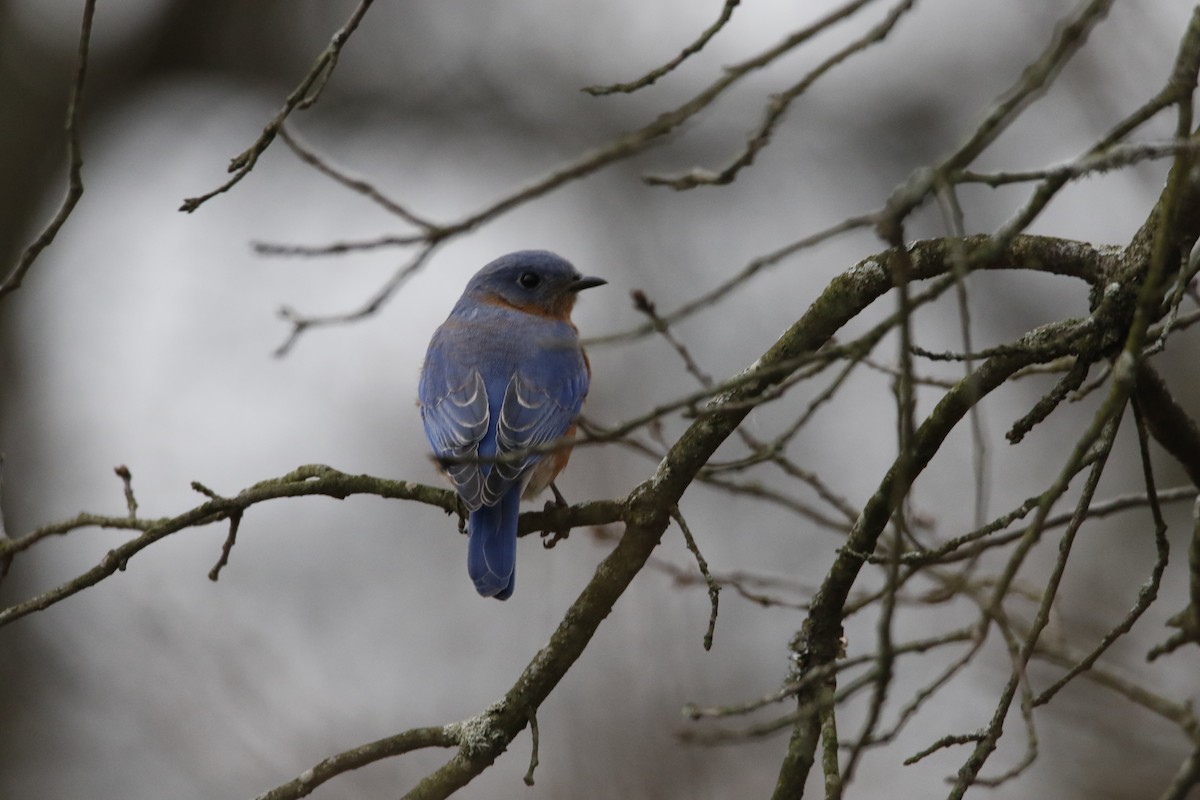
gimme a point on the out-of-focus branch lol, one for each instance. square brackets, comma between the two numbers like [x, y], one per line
[1194, 575]
[1105, 160]
[1068, 38]
[356, 185]
[587, 164]
[653, 75]
[1180, 714]
[1167, 422]
[302, 97]
[302, 322]
[778, 107]
[1185, 779]
[737, 280]
[825, 675]
[1187, 621]
[12, 281]
[5, 555]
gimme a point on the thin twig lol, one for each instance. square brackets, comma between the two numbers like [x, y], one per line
[740, 279]
[778, 107]
[740, 582]
[1185, 779]
[1099, 436]
[952, 217]
[533, 754]
[818, 642]
[302, 97]
[1149, 590]
[763, 451]
[335, 248]
[1188, 620]
[653, 75]
[127, 483]
[591, 162]
[904, 465]
[356, 185]
[1068, 38]
[17, 274]
[301, 322]
[6, 553]
[714, 588]
[235, 520]
[1180, 714]
[1094, 161]
[949, 740]
[406, 742]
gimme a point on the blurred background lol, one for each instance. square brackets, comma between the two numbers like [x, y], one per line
[143, 337]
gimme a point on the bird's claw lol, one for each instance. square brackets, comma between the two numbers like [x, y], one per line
[551, 538]
[461, 511]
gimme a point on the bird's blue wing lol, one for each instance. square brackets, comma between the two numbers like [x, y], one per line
[454, 409]
[536, 409]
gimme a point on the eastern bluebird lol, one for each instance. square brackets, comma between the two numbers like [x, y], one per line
[503, 374]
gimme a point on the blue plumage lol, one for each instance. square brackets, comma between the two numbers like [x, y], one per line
[503, 374]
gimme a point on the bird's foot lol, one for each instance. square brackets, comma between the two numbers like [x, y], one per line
[552, 537]
[461, 511]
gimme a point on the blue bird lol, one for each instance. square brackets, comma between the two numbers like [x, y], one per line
[505, 373]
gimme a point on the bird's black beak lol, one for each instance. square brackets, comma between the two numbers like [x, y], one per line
[579, 284]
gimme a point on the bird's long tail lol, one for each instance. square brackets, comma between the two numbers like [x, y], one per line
[492, 549]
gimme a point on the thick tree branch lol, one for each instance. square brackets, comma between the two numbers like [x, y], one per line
[818, 643]
[647, 509]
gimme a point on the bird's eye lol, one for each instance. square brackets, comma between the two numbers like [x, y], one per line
[529, 280]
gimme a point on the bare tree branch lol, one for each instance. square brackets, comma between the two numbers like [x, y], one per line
[357, 185]
[653, 75]
[1136, 302]
[302, 97]
[12, 281]
[306, 481]
[324, 770]
[778, 107]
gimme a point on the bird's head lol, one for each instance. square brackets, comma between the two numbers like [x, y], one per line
[533, 281]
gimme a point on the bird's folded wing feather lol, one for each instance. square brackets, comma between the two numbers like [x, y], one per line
[531, 414]
[454, 409]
